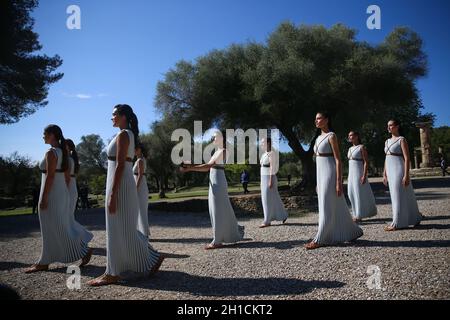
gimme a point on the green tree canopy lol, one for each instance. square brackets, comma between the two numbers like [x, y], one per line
[24, 76]
[297, 72]
[91, 153]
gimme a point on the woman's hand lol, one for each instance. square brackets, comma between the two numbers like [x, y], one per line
[112, 204]
[406, 180]
[339, 189]
[184, 169]
[385, 181]
[363, 179]
[44, 203]
[270, 183]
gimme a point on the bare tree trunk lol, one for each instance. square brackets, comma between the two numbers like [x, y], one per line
[162, 189]
[306, 158]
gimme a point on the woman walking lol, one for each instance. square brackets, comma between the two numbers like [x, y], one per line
[272, 205]
[139, 171]
[396, 174]
[63, 239]
[223, 220]
[335, 222]
[359, 190]
[127, 248]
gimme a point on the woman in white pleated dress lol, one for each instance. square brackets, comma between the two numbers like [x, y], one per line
[273, 207]
[223, 220]
[405, 210]
[358, 187]
[139, 171]
[63, 239]
[335, 221]
[128, 250]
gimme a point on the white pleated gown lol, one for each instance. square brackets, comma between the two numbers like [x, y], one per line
[73, 195]
[360, 195]
[63, 239]
[404, 204]
[127, 248]
[142, 190]
[73, 192]
[273, 207]
[335, 221]
[223, 220]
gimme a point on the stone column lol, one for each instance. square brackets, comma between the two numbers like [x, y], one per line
[425, 144]
[416, 160]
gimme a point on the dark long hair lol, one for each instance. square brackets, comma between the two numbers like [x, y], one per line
[57, 132]
[73, 154]
[397, 123]
[132, 121]
[326, 115]
[143, 150]
[269, 143]
[356, 133]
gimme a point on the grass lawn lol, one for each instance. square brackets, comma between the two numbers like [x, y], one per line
[182, 193]
[15, 212]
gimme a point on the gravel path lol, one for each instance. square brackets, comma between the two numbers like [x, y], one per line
[270, 264]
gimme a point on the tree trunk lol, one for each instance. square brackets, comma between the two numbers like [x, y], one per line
[306, 158]
[157, 182]
[162, 190]
[308, 171]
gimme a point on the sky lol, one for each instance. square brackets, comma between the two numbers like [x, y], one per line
[125, 47]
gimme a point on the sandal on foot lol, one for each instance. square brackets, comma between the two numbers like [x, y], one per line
[212, 246]
[312, 245]
[36, 268]
[86, 258]
[390, 228]
[103, 280]
[264, 225]
[156, 267]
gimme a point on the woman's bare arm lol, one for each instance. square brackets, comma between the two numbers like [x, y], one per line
[51, 161]
[123, 142]
[337, 158]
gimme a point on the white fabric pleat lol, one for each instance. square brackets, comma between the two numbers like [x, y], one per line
[223, 220]
[142, 190]
[63, 239]
[360, 195]
[335, 222]
[127, 248]
[405, 210]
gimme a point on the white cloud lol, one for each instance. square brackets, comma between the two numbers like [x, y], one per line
[84, 95]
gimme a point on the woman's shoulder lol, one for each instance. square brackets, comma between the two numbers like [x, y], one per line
[52, 152]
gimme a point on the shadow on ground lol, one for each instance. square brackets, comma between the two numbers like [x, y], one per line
[208, 286]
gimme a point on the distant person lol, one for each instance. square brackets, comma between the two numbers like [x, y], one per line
[245, 178]
[35, 195]
[273, 207]
[223, 220]
[444, 166]
[358, 188]
[84, 197]
[289, 179]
